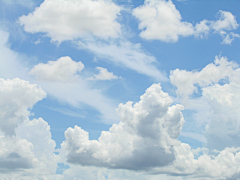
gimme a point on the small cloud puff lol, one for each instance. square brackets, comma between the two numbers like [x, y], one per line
[64, 69]
[103, 75]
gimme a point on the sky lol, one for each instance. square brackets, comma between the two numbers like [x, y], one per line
[119, 89]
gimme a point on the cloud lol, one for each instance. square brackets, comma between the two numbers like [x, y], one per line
[103, 75]
[15, 154]
[187, 81]
[223, 129]
[71, 87]
[146, 140]
[229, 37]
[151, 125]
[10, 61]
[17, 97]
[37, 132]
[220, 86]
[226, 22]
[69, 19]
[160, 20]
[64, 69]
[127, 55]
[26, 146]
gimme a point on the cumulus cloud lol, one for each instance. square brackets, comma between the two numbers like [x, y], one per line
[16, 153]
[26, 146]
[70, 19]
[187, 81]
[160, 20]
[103, 75]
[17, 97]
[37, 132]
[223, 129]
[146, 140]
[64, 69]
[151, 125]
[219, 83]
[126, 54]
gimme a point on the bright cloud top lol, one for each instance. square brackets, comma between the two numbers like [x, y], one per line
[64, 69]
[71, 19]
[160, 20]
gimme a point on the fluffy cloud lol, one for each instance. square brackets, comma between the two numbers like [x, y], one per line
[127, 55]
[64, 69]
[17, 97]
[37, 132]
[146, 140]
[187, 81]
[15, 154]
[223, 129]
[220, 86]
[151, 125]
[103, 75]
[26, 146]
[71, 19]
[160, 20]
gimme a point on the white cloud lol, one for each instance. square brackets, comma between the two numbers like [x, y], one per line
[151, 125]
[103, 75]
[228, 37]
[64, 69]
[226, 22]
[17, 97]
[37, 132]
[186, 81]
[26, 147]
[159, 19]
[127, 55]
[70, 19]
[220, 86]
[16, 154]
[223, 129]
[146, 140]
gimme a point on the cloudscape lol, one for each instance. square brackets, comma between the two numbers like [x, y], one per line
[119, 89]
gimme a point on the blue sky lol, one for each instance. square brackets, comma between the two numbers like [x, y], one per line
[119, 89]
